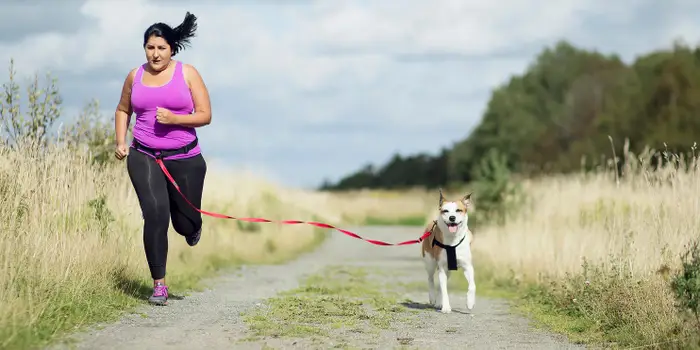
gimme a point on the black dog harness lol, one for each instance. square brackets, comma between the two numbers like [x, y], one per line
[451, 252]
[160, 154]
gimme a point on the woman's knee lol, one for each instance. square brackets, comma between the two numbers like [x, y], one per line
[156, 213]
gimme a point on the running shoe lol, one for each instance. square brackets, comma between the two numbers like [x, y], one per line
[160, 294]
[194, 239]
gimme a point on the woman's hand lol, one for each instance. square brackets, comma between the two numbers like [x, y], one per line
[165, 116]
[121, 151]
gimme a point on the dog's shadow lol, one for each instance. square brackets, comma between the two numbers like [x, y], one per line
[414, 305]
[417, 306]
[136, 288]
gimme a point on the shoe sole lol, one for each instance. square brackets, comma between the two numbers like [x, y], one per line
[158, 302]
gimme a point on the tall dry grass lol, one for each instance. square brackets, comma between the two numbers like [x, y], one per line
[71, 248]
[600, 252]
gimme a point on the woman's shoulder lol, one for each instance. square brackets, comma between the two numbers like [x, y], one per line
[189, 71]
[132, 74]
[136, 69]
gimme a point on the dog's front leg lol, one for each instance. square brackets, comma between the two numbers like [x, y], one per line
[430, 266]
[471, 290]
[444, 300]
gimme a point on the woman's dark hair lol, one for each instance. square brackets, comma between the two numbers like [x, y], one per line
[178, 38]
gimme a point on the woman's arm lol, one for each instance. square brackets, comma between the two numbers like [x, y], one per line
[124, 110]
[200, 96]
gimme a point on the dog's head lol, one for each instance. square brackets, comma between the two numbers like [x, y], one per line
[454, 213]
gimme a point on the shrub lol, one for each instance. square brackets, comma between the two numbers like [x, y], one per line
[496, 194]
[686, 283]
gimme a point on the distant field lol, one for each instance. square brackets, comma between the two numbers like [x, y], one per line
[381, 207]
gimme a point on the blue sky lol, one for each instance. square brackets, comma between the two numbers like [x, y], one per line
[307, 90]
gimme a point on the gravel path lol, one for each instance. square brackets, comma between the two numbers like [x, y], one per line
[210, 319]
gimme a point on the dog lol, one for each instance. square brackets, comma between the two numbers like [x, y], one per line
[447, 248]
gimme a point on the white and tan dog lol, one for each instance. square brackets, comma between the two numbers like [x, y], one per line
[447, 248]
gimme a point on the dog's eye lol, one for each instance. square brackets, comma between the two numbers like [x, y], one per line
[459, 210]
[444, 211]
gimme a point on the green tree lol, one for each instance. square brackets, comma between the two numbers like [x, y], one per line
[561, 110]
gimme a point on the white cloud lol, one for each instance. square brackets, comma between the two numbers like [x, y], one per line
[418, 73]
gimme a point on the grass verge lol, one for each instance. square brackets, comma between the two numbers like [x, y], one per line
[334, 304]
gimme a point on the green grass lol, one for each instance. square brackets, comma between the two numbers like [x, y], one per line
[415, 220]
[338, 298]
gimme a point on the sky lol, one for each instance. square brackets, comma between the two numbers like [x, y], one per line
[303, 91]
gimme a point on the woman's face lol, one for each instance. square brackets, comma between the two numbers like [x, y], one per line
[158, 53]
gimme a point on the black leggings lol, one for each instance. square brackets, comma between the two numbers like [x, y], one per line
[160, 202]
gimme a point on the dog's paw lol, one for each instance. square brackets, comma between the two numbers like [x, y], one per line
[445, 309]
[471, 296]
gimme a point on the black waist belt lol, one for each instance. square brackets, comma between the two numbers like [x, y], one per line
[162, 153]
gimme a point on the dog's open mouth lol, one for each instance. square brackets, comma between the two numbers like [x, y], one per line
[452, 227]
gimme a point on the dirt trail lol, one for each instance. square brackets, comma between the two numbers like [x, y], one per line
[211, 319]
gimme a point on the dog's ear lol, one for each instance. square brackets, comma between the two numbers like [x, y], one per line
[442, 198]
[467, 200]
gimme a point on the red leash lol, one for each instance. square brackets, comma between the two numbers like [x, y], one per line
[286, 222]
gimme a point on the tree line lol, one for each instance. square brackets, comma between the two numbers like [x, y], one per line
[560, 115]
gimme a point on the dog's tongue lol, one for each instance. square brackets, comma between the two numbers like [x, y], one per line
[452, 228]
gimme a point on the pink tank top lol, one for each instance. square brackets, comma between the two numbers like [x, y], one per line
[175, 96]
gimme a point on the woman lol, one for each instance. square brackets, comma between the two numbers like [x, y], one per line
[170, 100]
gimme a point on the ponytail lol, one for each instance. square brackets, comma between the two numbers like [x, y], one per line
[184, 32]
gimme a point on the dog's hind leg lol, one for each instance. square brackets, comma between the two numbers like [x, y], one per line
[430, 267]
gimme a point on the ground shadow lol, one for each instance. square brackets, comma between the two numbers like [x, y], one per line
[460, 311]
[425, 306]
[417, 306]
[136, 288]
